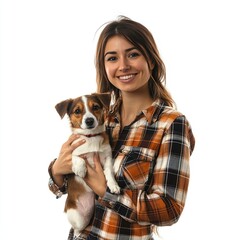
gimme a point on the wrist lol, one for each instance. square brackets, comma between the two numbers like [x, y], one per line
[57, 183]
[101, 191]
[57, 178]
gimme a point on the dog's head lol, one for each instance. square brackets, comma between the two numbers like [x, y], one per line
[85, 112]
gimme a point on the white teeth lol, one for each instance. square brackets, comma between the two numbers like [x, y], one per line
[125, 77]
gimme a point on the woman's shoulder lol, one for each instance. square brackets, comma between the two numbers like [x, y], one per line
[165, 112]
[169, 115]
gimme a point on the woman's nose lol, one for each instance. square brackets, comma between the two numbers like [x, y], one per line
[124, 65]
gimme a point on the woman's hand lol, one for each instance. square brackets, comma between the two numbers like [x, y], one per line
[63, 164]
[95, 177]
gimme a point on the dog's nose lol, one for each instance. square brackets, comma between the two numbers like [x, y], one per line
[89, 122]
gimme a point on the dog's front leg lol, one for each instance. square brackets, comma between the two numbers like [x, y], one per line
[109, 174]
[79, 166]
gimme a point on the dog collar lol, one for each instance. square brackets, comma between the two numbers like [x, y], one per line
[92, 135]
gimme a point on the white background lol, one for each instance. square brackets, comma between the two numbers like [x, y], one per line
[47, 55]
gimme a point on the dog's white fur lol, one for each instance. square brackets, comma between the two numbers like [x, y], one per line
[80, 216]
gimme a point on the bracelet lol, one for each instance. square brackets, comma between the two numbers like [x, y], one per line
[58, 191]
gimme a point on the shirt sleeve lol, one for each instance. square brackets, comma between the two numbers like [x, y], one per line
[163, 203]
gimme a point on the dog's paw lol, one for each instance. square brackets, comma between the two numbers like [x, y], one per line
[81, 172]
[79, 167]
[114, 188]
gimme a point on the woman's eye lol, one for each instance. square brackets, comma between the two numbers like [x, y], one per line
[134, 54]
[77, 111]
[110, 59]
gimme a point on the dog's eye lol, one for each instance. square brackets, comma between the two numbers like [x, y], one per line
[95, 107]
[77, 111]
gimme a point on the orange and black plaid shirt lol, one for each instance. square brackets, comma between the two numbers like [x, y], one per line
[151, 160]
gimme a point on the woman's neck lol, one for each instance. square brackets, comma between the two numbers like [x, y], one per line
[132, 104]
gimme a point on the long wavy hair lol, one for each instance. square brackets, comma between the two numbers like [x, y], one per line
[141, 38]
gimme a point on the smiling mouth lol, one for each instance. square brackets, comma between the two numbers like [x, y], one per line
[126, 78]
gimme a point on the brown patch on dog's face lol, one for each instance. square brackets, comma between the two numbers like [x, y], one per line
[76, 112]
[96, 108]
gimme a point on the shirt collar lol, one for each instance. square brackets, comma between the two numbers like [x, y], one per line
[152, 113]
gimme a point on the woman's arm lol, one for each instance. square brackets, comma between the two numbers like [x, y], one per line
[62, 165]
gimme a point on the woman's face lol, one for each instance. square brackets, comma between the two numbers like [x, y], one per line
[126, 67]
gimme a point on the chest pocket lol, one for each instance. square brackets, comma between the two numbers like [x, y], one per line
[136, 167]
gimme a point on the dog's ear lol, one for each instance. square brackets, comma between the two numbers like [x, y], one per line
[62, 107]
[104, 98]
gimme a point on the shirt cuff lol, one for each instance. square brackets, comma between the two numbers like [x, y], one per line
[110, 198]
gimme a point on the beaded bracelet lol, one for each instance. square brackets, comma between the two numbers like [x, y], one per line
[58, 191]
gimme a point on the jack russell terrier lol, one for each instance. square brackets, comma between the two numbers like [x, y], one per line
[86, 115]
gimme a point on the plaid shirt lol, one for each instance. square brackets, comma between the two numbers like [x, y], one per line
[151, 159]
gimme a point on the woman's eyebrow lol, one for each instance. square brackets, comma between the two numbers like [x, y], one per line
[114, 52]
[111, 52]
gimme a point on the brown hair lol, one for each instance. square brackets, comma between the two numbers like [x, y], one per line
[142, 39]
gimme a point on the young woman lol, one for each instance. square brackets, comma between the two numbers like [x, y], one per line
[151, 141]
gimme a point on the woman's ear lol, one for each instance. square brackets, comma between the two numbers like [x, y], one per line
[151, 65]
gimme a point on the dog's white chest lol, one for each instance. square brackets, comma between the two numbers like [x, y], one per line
[92, 144]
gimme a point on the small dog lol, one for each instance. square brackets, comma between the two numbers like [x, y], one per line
[86, 115]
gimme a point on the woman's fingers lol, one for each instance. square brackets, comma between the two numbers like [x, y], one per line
[96, 167]
[72, 142]
[77, 144]
[63, 164]
[95, 177]
[97, 163]
[72, 138]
